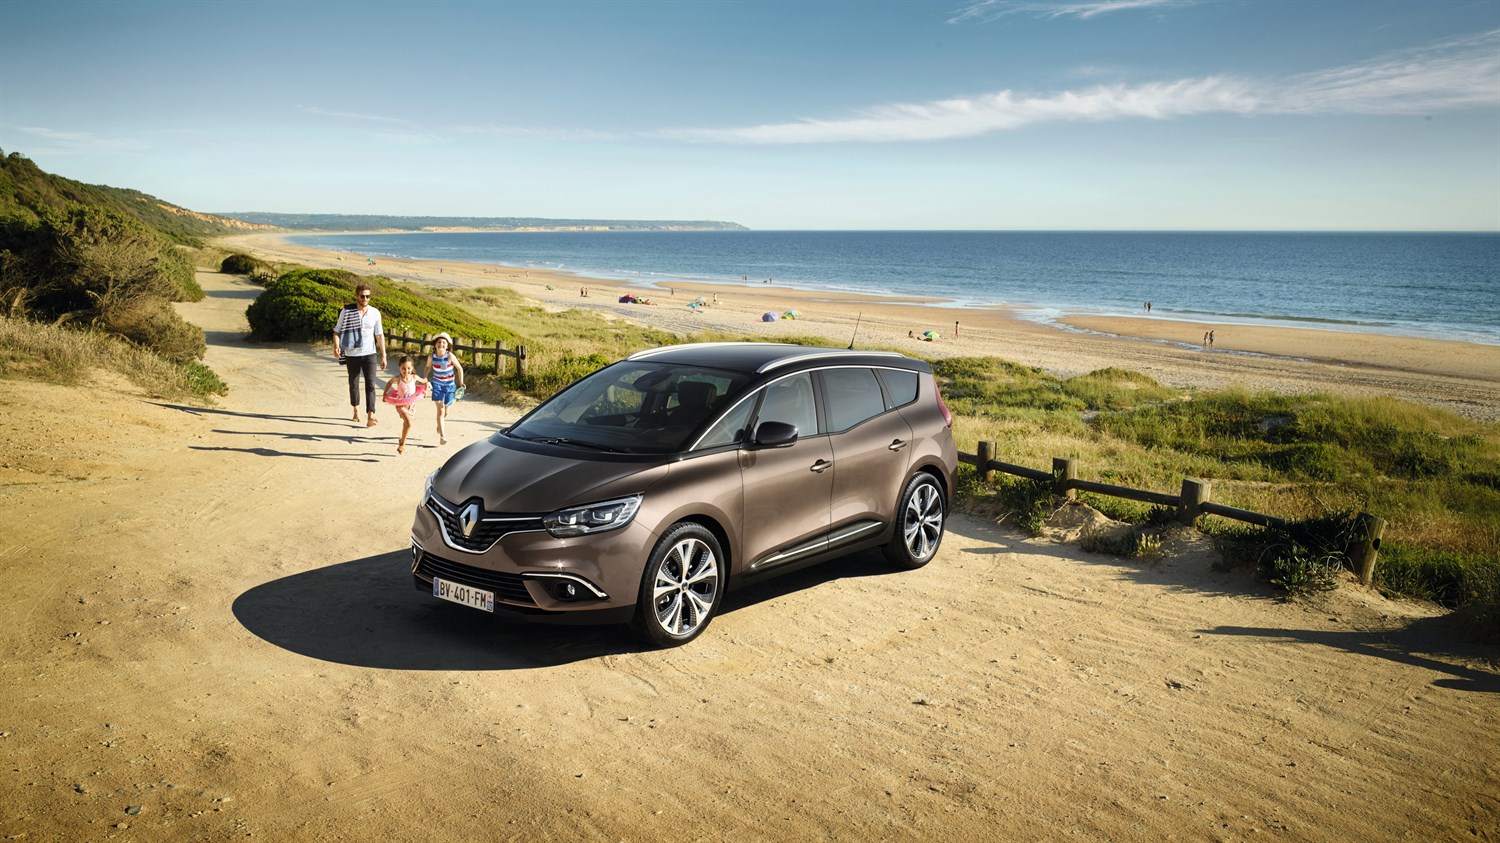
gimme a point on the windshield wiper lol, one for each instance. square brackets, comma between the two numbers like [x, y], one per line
[577, 443]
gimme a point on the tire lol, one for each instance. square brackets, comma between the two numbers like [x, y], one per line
[920, 520]
[681, 587]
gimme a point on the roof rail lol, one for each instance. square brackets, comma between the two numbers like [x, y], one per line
[842, 352]
[661, 348]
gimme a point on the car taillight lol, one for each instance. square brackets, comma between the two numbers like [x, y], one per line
[947, 414]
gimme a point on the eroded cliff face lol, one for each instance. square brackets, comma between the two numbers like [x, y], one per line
[226, 222]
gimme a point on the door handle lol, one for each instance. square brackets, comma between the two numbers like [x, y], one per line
[896, 445]
[821, 466]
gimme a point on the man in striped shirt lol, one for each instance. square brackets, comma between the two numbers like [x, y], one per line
[357, 337]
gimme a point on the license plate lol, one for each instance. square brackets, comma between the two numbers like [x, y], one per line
[465, 595]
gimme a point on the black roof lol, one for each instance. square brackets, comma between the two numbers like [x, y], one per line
[765, 356]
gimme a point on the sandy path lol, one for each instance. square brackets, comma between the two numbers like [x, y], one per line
[210, 619]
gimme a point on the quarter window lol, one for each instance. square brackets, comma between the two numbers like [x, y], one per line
[902, 385]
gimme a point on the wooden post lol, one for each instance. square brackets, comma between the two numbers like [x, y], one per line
[426, 341]
[520, 361]
[1368, 530]
[986, 453]
[499, 355]
[1064, 472]
[1195, 493]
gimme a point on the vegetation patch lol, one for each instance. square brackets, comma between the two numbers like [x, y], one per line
[64, 355]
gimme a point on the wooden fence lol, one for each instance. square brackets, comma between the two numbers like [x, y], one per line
[1192, 503]
[405, 340]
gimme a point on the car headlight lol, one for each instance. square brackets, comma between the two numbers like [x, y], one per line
[427, 486]
[592, 518]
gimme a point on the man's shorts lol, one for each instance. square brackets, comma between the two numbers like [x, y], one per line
[444, 393]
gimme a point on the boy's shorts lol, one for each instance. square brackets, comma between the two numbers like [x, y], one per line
[444, 393]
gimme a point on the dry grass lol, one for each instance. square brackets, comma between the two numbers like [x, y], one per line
[54, 354]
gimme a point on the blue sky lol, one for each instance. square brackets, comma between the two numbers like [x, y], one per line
[1009, 114]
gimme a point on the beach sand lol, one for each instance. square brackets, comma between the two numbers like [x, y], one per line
[1461, 377]
[212, 634]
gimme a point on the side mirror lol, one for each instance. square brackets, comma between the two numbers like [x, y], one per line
[773, 434]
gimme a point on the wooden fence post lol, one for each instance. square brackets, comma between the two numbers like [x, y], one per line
[1368, 530]
[1195, 493]
[520, 361]
[1064, 472]
[499, 355]
[986, 453]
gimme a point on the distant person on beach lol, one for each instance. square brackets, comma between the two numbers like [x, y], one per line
[403, 391]
[955, 329]
[357, 337]
[1205, 339]
[446, 375]
[1210, 339]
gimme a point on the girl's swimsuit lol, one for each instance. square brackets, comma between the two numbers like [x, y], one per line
[442, 379]
[406, 394]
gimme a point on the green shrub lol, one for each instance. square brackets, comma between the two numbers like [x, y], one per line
[241, 264]
[297, 308]
[303, 305]
[178, 267]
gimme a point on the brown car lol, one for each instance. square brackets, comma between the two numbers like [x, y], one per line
[644, 490]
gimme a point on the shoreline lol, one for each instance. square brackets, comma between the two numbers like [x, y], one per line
[1461, 376]
[1041, 312]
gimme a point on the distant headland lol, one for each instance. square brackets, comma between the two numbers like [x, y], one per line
[377, 222]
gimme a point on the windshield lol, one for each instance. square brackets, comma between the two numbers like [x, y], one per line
[632, 407]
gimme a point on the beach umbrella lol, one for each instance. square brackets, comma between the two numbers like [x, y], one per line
[769, 316]
[790, 314]
[929, 335]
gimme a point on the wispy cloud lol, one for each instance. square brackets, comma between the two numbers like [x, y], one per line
[350, 115]
[532, 133]
[968, 117]
[80, 142]
[1462, 73]
[988, 10]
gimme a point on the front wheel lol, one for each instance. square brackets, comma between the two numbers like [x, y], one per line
[919, 523]
[681, 587]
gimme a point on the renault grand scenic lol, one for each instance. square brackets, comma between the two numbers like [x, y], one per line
[643, 491]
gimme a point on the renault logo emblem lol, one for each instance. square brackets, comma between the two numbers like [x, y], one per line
[468, 518]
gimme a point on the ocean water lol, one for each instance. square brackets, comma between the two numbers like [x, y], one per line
[1418, 284]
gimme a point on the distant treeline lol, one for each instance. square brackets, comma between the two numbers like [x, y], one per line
[377, 222]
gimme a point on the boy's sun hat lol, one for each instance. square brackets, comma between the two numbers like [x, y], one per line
[443, 335]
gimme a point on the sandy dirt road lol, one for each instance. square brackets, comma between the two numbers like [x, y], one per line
[211, 633]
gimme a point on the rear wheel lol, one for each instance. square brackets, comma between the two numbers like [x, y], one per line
[919, 523]
[681, 587]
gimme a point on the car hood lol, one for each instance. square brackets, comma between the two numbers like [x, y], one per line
[526, 479]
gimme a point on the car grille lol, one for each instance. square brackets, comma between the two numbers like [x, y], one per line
[507, 587]
[490, 529]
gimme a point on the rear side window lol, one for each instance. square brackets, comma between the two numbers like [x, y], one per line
[853, 395]
[901, 384]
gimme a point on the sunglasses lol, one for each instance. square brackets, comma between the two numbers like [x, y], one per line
[364, 295]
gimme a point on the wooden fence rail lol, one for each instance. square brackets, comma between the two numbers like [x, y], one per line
[1192, 503]
[406, 340]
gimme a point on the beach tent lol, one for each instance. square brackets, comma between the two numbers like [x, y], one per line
[628, 298]
[790, 314]
[769, 316]
[929, 335]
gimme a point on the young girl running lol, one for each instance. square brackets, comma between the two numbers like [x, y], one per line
[403, 391]
[447, 376]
